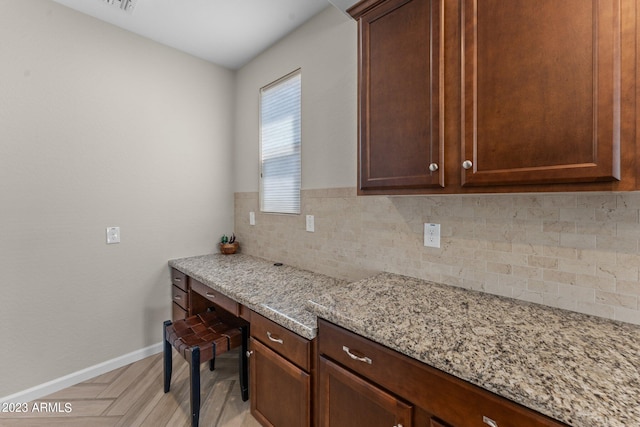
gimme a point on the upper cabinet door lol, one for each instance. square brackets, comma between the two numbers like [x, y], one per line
[541, 91]
[400, 94]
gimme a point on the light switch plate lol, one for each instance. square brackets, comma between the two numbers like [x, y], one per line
[432, 235]
[252, 218]
[113, 235]
[310, 224]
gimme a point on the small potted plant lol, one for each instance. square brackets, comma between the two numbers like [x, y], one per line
[228, 245]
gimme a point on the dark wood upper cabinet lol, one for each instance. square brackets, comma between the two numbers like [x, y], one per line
[400, 94]
[497, 96]
[541, 98]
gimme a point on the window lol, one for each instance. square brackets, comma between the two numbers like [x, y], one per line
[280, 145]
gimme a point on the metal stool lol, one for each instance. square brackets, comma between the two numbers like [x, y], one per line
[200, 339]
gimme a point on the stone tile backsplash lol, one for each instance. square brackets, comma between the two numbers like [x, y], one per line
[578, 251]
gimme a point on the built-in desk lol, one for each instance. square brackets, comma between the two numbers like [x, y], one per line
[271, 298]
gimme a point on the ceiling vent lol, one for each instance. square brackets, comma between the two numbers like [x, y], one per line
[126, 5]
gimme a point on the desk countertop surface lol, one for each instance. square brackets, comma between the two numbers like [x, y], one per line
[579, 369]
[277, 292]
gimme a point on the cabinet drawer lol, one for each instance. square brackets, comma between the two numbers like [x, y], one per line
[456, 402]
[180, 297]
[286, 343]
[178, 313]
[359, 354]
[179, 279]
[215, 297]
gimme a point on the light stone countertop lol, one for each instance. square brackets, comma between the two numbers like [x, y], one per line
[579, 369]
[278, 293]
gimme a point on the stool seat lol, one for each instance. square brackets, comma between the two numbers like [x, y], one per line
[199, 339]
[207, 331]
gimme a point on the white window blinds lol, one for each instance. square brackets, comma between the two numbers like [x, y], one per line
[280, 145]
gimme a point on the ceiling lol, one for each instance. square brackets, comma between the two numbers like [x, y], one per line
[226, 32]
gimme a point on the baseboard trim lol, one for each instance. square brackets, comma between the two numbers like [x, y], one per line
[58, 384]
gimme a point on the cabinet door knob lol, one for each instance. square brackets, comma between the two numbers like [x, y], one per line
[433, 167]
[467, 164]
[249, 353]
[488, 421]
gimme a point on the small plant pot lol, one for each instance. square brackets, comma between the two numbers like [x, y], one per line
[229, 248]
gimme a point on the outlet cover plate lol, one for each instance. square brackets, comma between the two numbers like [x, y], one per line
[432, 235]
[113, 235]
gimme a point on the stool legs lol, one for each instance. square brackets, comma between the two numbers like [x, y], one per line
[212, 362]
[167, 358]
[244, 364]
[194, 375]
[194, 362]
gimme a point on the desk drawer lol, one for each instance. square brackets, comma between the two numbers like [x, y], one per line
[215, 297]
[178, 313]
[179, 279]
[178, 296]
[284, 342]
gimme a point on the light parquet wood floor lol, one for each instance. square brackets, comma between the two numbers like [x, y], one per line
[134, 396]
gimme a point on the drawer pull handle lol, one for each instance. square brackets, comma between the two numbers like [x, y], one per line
[177, 297]
[249, 353]
[354, 357]
[177, 279]
[210, 295]
[276, 339]
[488, 421]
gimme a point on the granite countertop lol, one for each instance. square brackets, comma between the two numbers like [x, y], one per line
[579, 369]
[277, 292]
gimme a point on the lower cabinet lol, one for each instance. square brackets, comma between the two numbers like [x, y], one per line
[280, 390]
[362, 383]
[347, 400]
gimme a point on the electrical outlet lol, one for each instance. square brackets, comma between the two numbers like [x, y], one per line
[252, 218]
[113, 235]
[432, 235]
[310, 224]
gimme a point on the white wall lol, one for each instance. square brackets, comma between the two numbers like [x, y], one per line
[100, 127]
[326, 50]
